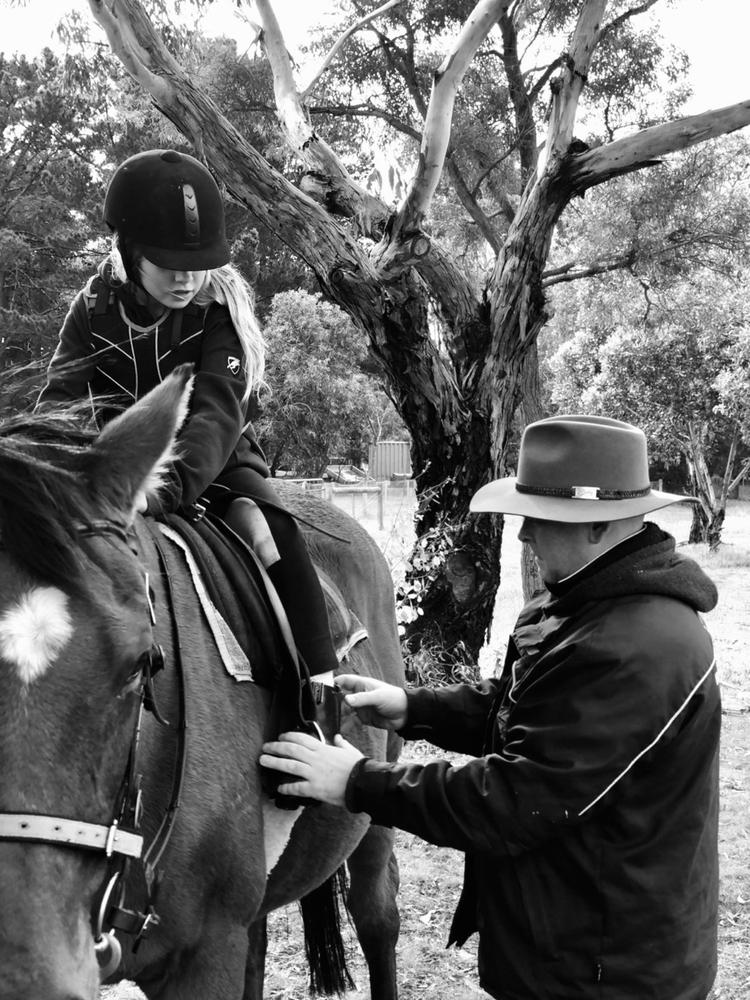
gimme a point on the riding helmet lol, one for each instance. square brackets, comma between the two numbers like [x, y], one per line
[170, 206]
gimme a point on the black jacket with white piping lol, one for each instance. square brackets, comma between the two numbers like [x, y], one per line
[589, 814]
[110, 346]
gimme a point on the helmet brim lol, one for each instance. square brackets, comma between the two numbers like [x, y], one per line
[203, 259]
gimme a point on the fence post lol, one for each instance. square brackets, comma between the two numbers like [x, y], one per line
[381, 504]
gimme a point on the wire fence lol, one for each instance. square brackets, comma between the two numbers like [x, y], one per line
[376, 504]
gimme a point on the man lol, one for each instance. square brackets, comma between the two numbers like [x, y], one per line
[588, 815]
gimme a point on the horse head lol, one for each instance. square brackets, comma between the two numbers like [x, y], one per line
[75, 633]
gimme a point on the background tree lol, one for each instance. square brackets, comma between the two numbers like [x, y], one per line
[321, 402]
[45, 199]
[680, 377]
[456, 349]
[661, 338]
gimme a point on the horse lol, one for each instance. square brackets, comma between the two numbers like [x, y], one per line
[129, 797]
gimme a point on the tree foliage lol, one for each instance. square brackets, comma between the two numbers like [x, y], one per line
[664, 343]
[321, 404]
[45, 197]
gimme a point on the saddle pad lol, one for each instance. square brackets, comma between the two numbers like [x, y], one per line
[231, 587]
[238, 594]
[234, 658]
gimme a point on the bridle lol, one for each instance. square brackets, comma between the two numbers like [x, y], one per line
[120, 841]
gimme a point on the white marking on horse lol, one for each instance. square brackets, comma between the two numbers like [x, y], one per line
[34, 630]
[277, 829]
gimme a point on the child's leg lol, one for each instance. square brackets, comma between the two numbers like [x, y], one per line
[294, 577]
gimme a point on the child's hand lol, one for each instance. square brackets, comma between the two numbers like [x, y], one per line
[317, 770]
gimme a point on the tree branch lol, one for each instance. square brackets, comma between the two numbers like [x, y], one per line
[340, 42]
[523, 106]
[744, 469]
[470, 203]
[615, 23]
[586, 170]
[568, 87]
[329, 181]
[540, 83]
[338, 259]
[574, 272]
[295, 218]
[437, 129]
[368, 110]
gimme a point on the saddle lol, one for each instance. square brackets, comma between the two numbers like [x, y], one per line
[250, 625]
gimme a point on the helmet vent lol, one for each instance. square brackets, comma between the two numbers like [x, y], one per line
[192, 218]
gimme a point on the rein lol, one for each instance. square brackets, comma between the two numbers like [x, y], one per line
[120, 841]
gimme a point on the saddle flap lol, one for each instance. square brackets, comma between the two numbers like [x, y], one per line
[239, 597]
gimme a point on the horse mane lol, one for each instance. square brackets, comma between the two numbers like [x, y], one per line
[43, 490]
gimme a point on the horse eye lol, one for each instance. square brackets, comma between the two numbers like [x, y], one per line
[134, 681]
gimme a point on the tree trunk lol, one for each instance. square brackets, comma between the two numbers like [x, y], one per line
[698, 525]
[713, 530]
[708, 515]
[529, 410]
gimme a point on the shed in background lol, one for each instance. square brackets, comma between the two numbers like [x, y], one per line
[389, 460]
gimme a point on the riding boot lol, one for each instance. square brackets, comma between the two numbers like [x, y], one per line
[301, 704]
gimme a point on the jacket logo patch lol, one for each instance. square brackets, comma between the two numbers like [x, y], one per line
[233, 364]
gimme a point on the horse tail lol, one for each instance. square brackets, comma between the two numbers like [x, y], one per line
[324, 945]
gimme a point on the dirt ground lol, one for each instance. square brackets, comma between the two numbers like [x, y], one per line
[431, 877]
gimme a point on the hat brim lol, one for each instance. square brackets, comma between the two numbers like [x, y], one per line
[502, 497]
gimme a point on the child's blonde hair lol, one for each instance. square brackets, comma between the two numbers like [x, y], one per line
[224, 285]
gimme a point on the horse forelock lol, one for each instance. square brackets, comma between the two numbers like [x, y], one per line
[43, 495]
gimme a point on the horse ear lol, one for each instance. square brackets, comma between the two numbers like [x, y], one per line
[133, 451]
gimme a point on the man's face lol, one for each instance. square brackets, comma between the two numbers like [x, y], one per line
[560, 549]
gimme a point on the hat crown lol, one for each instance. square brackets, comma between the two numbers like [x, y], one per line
[577, 469]
[578, 452]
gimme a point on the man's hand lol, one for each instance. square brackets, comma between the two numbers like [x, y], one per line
[319, 771]
[375, 702]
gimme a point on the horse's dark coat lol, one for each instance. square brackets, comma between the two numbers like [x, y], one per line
[64, 739]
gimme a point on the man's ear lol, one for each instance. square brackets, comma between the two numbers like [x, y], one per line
[134, 449]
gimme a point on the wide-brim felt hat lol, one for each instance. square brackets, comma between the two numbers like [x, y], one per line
[577, 469]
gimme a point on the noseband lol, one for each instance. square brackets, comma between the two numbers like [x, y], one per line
[120, 841]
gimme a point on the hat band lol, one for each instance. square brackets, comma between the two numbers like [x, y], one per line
[582, 492]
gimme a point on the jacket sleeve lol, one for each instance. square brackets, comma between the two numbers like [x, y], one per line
[587, 723]
[452, 718]
[72, 365]
[217, 416]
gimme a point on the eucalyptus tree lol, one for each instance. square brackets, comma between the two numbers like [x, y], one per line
[456, 354]
[683, 378]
